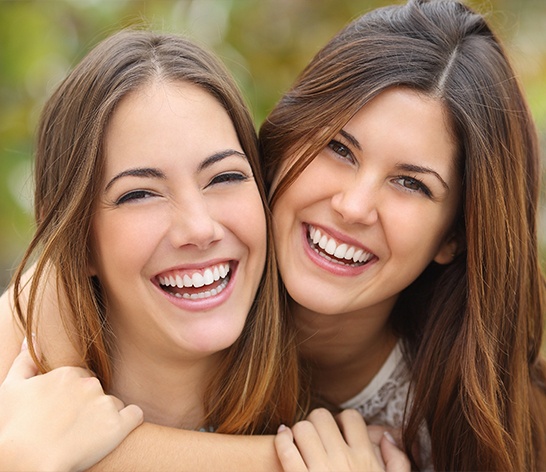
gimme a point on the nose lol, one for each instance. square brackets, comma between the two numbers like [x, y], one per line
[194, 224]
[356, 202]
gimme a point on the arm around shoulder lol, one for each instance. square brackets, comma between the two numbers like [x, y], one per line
[152, 447]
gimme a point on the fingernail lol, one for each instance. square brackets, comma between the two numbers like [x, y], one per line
[24, 345]
[390, 438]
[282, 428]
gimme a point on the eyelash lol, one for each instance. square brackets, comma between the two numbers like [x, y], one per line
[228, 177]
[421, 187]
[134, 195]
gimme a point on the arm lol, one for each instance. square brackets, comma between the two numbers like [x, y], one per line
[149, 447]
[343, 443]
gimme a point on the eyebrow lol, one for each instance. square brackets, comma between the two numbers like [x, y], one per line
[405, 167]
[151, 172]
[349, 137]
[218, 156]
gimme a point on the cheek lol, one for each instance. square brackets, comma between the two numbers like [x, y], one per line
[244, 216]
[417, 232]
[122, 243]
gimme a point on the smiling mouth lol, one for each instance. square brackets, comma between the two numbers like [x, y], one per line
[198, 284]
[333, 251]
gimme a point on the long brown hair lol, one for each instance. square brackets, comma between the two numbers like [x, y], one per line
[256, 387]
[472, 329]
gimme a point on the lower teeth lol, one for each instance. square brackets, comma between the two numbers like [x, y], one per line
[207, 294]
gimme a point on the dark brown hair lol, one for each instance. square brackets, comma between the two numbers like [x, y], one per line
[256, 386]
[472, 329]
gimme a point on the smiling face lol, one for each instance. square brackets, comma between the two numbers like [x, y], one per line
[372, 210]
[178, 237]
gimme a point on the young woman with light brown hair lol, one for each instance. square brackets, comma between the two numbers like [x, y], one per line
[404, 174]
[150, 214]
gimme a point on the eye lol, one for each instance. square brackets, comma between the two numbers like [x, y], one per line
[134, 195]
[341, 150]
[412, 184]
[228, 177]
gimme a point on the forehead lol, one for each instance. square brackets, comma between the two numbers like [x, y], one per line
[168, 123]
[405, 123]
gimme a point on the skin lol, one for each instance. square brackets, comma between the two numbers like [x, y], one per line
[395, 169]
[80, 405]
[395, 147]
[174, 172]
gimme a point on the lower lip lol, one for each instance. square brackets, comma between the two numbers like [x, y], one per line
[329, 266]
[203, 304]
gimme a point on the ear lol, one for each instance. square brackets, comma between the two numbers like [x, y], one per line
[447, 252]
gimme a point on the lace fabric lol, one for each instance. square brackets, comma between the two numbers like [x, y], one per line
[383, 401]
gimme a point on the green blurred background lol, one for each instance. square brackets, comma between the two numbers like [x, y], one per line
[263, 42]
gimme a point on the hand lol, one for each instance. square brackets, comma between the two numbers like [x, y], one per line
[324, 443]
[61, 420]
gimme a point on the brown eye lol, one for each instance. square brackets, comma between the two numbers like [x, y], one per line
[339, 148]
[413, 185]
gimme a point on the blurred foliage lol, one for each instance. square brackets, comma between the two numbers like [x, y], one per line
[265, 43]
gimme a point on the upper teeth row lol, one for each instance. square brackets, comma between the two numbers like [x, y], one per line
[197, 279]
[341, 251]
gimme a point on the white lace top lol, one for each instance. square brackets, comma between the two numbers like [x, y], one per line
[383, 400]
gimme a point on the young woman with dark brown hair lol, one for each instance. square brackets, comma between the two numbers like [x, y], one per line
[404, 175]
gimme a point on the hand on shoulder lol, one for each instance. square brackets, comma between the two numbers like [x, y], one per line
[61, 420]
[341, 443]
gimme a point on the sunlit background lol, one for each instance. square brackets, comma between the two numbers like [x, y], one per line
[263, 42]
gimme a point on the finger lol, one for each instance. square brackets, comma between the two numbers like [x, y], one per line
[23, 367]
[327, 429]
[287, 452]
[312, 446]
[395, 460]
[132, 416]
[360, 436]
[354, 429]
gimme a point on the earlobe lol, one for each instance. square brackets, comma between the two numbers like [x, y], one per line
[447, 252]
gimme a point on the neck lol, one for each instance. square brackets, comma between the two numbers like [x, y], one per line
[344, 351]
[169, 390]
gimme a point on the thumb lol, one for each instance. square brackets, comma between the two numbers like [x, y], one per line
[23, 366]
[132, 416]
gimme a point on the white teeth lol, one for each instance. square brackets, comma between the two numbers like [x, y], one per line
[197, 279]
[209, 278]
[357, 254]
[341, 251]
[179, 282]
[207, 294]
[330, 247]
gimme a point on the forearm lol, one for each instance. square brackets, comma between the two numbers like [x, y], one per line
[151, 447]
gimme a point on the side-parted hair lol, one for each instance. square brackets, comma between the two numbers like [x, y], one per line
[256, 387]
[472, 329]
